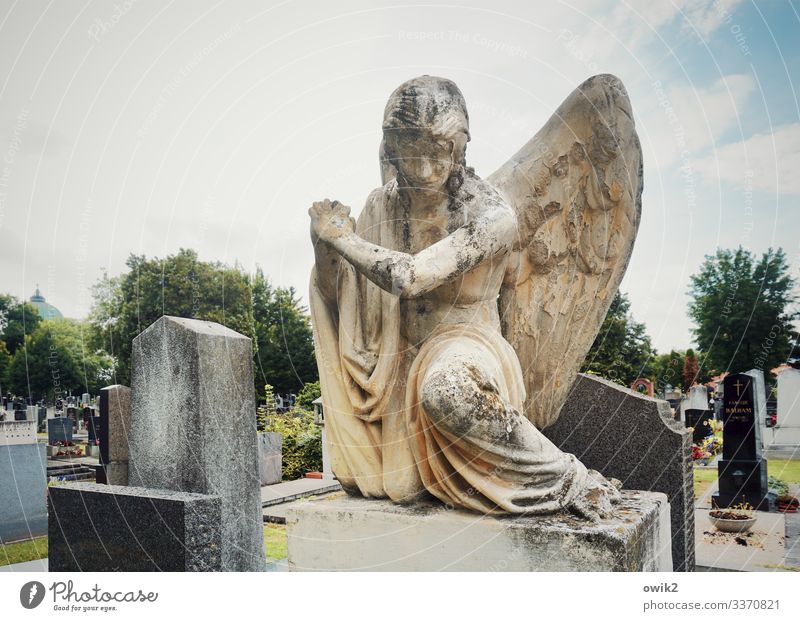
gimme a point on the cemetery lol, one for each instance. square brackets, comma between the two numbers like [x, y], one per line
[487, 449]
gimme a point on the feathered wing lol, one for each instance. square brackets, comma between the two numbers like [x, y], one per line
[576, 187]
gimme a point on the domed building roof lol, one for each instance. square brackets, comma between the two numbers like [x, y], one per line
[47, 311]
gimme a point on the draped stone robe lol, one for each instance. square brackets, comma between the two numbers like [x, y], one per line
[381, 441]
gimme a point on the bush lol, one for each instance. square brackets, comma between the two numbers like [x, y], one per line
[308, 394]
[302, 442]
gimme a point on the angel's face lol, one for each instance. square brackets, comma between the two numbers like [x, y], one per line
[421, 160]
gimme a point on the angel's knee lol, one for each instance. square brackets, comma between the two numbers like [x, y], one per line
[454, 397]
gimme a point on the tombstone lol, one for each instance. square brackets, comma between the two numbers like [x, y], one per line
[59, 430]
[20, 415]
[635, 439]
[270, 458]
[785, 435]
[85, 398]
[697, 419]
[41, 418]
[742, 471]
[117, 528]
[23, 484]
[182, 440]
[319, 419]
[93, 429]
[115, 427]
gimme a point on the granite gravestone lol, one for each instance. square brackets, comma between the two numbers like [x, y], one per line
[742, 470]
[113, 528]
[635, 439]
[59, 430]
[182, 440]
[698, 421]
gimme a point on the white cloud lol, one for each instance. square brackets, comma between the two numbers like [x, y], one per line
[681, 122]
[767, 161]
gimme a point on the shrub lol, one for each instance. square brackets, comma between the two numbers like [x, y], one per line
[308, 394]
[302, 442]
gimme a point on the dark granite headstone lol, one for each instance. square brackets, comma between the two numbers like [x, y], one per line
[59, 430]
[20, 415]
[633, 438]
[116, 528]
[696, 420]
[93, 429]
[742, 471]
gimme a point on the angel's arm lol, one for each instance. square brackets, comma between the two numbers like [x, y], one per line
[412, 275]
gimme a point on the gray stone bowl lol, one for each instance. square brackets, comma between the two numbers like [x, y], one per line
[732, 526]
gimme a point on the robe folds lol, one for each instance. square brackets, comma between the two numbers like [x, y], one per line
[381, 439]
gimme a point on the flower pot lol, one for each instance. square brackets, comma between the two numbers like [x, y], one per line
[732, 526]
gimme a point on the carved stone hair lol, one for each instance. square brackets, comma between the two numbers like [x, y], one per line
[435, 105]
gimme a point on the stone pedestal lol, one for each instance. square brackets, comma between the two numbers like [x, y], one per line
[341, 533]
[113, 528]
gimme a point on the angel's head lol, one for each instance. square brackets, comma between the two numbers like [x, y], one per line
[425, 133]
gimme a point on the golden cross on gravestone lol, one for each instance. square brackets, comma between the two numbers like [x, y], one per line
[738, 385]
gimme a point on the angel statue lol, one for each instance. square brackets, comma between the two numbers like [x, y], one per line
[451, 319]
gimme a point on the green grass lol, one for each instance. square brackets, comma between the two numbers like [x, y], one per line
[787, 470]
[23, 551]
[702, 480]
[784, 469]
[275, 541]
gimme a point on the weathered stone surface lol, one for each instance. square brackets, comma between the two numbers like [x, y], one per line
[635, 439]
[23, 485]
[118, 528]
[351, 534]
[193, 426]
[115, 423]
[270, 457]
[549, 234]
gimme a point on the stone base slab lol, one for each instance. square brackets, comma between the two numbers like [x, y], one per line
[341, 533]
[113, 528]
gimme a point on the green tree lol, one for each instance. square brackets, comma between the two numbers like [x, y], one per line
[622, 350]
[285, 343]
[311, 391]
[743, 308]
[667, 369]
[58, 359]
[5, 363]
[179, 285]
[17, 319]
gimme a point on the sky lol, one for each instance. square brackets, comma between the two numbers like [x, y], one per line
[144, 127]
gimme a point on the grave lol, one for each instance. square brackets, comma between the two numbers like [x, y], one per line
[23, 513]
[180, 442]
[633, 438]
[270, 458]
[697, 420]
[115, 426]
[742, 470]
[783, 440]
[59, 430]
[181, 439]
[116, 528]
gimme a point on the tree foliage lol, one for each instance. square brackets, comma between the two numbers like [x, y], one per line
[181, 285]
[742, 308]
[17, 319]
[691, 370]
[622, 350]
[667, 369]
[58, 359]
[285, 344]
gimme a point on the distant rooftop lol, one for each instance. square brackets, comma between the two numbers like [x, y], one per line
[47, 311]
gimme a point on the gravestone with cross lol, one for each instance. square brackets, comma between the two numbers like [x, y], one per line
[742, 470]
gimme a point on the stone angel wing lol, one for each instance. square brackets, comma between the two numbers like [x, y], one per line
[576, 187]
